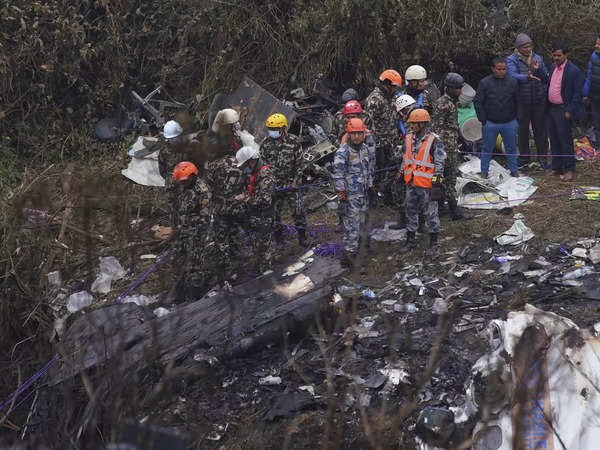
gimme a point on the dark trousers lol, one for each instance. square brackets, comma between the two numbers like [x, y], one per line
[596, 121]
[536, 115]
[561, 139]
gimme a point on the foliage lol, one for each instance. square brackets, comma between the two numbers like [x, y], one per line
[65, 64]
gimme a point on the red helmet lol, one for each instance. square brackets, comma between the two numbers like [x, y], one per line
[183, 170]
[352, 107]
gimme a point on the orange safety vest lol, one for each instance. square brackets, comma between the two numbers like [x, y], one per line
[251, 184]
[419, 169]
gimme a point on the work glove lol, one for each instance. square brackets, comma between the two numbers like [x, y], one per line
[342, 196]
[372, 196]
[436, 189]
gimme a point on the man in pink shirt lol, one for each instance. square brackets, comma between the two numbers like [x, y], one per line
[564, 104]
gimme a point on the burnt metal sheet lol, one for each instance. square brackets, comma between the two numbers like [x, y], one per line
[260, 104]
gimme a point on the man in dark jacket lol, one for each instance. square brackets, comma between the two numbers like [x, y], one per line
[530, 72]
[564, 104]
[496, 105]
[591, 91]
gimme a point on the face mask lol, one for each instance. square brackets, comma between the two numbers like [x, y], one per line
[248, 170]
[274, 134]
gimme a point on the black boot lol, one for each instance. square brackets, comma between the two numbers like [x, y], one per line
[456, 212]
[422, 220]
[411, 242]
[302, 238]
[401, 224]
[347, 260]
[340, 226]
[433, 251]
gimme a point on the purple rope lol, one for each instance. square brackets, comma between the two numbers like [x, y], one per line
[333, 249]
[142, 278]
[529, 155]
[29, 382]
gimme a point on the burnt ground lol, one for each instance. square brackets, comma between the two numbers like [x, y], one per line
[354, 405]
[340, 357]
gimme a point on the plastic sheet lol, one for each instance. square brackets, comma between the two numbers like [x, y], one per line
[144, 170]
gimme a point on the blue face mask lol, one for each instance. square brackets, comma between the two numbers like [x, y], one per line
[274, 134]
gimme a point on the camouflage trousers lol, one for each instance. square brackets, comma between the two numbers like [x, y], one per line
[417, 198]
[191, 256]
[226, 242]
[261, 239]
[294, 202]
[450, 173]
[399, 197]
[355, 216]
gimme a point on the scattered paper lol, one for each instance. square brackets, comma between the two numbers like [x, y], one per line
[517, 234]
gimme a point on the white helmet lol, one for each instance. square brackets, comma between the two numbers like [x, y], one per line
[245, 153]
[225, 117]
[172, 129]
[402, 101]
[415, 73]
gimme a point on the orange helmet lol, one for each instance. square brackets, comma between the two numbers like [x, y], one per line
[419, 115]
[183, 170]
[394, 77]
[356, 126]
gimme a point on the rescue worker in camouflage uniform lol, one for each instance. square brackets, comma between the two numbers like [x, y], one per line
[283, 153]
[225, 130]
[422, 169]
[168, 157]
[259, 204]
[381, 120]
[227, 181]
[354, 166]
[194, 210]
[352, 110]
[415, 87]
[445, 123]
[338, 128]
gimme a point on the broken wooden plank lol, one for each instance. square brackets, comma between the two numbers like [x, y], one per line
[226, 322]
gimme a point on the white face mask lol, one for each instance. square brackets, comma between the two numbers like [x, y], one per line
[274, 134]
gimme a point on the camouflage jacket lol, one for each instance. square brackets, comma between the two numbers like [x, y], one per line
[353, 169]
[168, 158]
[263, 189]
[339, 126]
[283, 156]
[226, 180]
[380, 115]
[438, 155]
[195, 211]
[444, 122]
[424, 97]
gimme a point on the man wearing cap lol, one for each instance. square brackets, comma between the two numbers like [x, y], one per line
[529, 70]
[444, 123]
